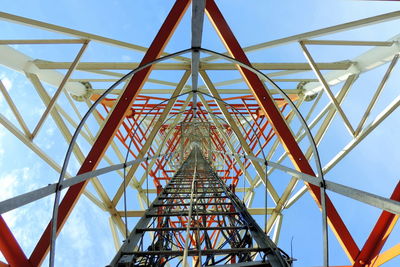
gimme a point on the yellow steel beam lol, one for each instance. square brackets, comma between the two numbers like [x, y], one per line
[41, 64]
[344, 42]
[386, 256]
[75, 33]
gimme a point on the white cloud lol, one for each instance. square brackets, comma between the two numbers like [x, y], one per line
[12, 184]
[50, 131]
[87, 227]
[83, 236]
[27, 222]
[126, 58]
[7, 83]
[2, 134]
[49, 144]
[1, 154]
[77, 230]
[9, 185]
[38, 111]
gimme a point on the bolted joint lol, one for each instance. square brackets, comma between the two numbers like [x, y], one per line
[303, 92]
[196, 49]
[86, 95]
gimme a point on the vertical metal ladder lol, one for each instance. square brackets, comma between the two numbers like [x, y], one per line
[197, 220]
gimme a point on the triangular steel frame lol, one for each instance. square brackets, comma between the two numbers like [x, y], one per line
[14, 253]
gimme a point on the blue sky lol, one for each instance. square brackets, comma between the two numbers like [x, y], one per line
[371, 167]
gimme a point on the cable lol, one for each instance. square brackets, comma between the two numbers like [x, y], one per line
[125, 208]
[309, 135]
[244, 180]
[147, 183]
[53, 235]
[266, 196]
[55, 210]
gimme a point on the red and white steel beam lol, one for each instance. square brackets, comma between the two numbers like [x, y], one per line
[278, 123]
[111, 126]
[378, 235]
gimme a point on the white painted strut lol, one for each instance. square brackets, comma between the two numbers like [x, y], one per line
[371, 59]
[17, 61]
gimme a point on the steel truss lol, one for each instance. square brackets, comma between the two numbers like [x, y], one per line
[196, 215]
[319, 89]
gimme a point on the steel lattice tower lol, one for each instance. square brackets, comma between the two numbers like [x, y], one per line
[189, 144]
[183, 219]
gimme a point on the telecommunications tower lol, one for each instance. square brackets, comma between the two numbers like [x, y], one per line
[205, 154]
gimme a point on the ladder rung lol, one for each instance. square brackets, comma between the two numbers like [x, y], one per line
[186, 213]
[188, 204]
[211, 228]
[196, 252]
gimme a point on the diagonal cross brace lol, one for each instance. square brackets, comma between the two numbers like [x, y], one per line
[110, 127]
[278, 123]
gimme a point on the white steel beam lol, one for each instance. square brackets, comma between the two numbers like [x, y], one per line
[71, 32]
[353, 143]
[171, 126]
[321, 32]
[382, 203]
[41, 41]
[17, 61]
[377, 94]
[367, 130]
[117, 241]
[259, 169]
[220, 91]
[371, 59]
[53, 100]
[326, 88]
[343, 42]
[49, 65]
[152, 134]
[227, 140]
[14, 110]
[68, 136]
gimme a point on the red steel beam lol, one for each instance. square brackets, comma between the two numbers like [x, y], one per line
[269, 107]
[111, 126]
[254, 118]
[10, 248]
[379, 234]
